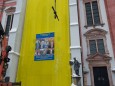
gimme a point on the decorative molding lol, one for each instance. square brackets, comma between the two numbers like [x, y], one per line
[72, 4]
[85, 1]
[102, 24]
[100, 60]
[13, 52]
[99, 57]
[13, 30]
[75, 76]
[17, 12]
[75, 47]
[10, 9]
[94, 34]
[95, 31]
[10, 1]
[74, 24]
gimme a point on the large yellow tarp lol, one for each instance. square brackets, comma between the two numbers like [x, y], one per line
[39, 18]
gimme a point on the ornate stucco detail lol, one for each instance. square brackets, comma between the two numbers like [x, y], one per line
[100, 60]
[95, 32]
[10, 10]
[99, 57]
[88, 1]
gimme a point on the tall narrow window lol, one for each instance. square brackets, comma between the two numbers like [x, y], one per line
[9, 23]
[95, 13]
[89, 14]
[92, 44]
[96, 46]
[100, 45]
[92, 13]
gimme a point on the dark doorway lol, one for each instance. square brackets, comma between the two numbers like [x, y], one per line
[100, 76]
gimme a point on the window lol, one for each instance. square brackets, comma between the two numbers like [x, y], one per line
[96, 46]
[92, 44]
[96, 41]
[9, 23]
[92, 13]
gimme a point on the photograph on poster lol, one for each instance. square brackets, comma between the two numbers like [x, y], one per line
[44, 46]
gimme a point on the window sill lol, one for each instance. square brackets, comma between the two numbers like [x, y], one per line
[102, 24]
[96, 53]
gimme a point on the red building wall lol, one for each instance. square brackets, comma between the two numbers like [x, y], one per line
[110, 9]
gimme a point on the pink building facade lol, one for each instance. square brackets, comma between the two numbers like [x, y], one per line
[110, 9]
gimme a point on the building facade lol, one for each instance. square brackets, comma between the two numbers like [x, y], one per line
[97, 52]
[15, 36]
[87, 23]
[7, 7]
[75, 46]
[110, 6]
[12, 21]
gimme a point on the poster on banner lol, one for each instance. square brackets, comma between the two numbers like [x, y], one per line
[44, 47]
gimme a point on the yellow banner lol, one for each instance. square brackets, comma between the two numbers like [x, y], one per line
[45, 16]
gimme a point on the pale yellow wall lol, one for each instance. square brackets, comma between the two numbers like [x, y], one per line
[39, 18]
